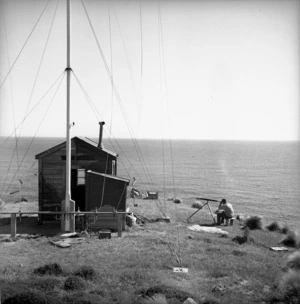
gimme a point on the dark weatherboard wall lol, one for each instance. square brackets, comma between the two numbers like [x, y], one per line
[86, 155]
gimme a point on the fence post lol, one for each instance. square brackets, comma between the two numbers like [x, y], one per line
[63, 218]
[119, 220]
[13, 225]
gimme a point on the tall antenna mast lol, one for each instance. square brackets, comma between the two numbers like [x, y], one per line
[66, 221]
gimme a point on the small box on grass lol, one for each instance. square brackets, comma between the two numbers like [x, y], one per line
[104, 234]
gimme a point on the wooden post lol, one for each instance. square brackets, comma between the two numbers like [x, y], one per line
[62, 219]
[72, 216]
[119, 220]
[13, 225]
[211, 212]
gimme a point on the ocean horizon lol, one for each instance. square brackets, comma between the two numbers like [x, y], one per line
[257, 177]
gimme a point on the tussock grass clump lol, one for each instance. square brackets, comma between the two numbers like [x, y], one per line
[291, 240]
[239, 253]
[86, 272]
[170, 293]
[290, 286]
[74, 283]
[242, 239]
[28, 297]
[285, 229]
[83, 298]
[274, 226]
[197, 205]
[155, 299]
[49, 269]
[293, 261]
[254, 223]
[46, 284]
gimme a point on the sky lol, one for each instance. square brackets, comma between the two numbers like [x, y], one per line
[187, 69]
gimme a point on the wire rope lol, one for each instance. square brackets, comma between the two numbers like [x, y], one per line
[32, 109]
[120, 102]
[40, 64]
[16, 149]
[98, 117]
[167, 99]
[111, 66]
[111, 79]
[126, 55]
[11, 68]
[124, 189]
[32, 91]
[177, 253]
[33, 138]
[142, 67]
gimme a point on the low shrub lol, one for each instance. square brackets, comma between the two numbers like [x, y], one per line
[74, 283]
[86, 272]
[293, 261]
[274, 226]
[49, 269]
[291, 240]
[254, 223]
[290, 286]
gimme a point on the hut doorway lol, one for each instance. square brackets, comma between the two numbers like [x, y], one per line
[78, 180]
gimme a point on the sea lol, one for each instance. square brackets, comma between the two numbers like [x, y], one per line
[256, 177]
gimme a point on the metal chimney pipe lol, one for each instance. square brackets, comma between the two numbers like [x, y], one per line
[100, 144]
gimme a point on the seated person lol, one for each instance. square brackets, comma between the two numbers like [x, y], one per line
[225, 211]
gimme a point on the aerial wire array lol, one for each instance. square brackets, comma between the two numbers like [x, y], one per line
[120, 103]
[16, 149]
[25, 43]
[33, 138]
[20, 126]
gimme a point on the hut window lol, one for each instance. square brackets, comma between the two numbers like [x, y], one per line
[80, 177]
[113, 169]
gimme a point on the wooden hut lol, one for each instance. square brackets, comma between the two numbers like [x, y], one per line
[85, 155]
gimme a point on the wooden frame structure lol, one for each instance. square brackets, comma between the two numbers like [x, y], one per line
[13, 218]
[205, 204]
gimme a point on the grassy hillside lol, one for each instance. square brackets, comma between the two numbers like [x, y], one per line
[133, 268]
